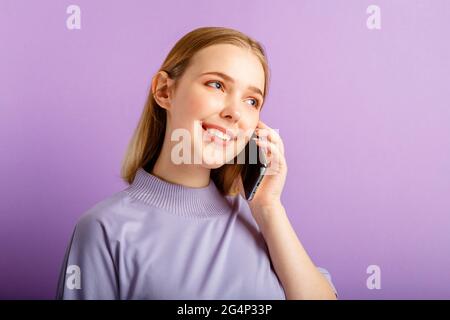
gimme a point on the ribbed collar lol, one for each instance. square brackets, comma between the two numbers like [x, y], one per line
[176, 198]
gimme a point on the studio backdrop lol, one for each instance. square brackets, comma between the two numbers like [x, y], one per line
[359, 91]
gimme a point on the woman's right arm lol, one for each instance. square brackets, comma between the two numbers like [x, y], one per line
[88, 270]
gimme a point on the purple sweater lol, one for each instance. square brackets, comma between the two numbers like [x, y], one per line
[159, 240]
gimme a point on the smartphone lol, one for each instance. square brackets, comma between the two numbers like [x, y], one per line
[256, 166]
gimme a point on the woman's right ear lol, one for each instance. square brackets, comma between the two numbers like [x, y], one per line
[161, 89]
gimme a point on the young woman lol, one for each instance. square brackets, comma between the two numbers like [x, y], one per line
[183, 229]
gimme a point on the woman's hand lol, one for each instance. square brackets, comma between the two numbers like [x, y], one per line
[269, 191]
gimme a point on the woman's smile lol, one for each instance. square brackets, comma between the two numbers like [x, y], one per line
[220, 138]
[218, 134]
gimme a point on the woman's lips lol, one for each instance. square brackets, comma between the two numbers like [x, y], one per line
[211, 137]
[228, 132]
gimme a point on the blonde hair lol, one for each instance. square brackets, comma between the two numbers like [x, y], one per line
[146, 143]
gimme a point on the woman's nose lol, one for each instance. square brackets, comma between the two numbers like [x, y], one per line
[231, 112]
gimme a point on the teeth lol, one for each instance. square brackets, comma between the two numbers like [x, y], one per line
[219, 134]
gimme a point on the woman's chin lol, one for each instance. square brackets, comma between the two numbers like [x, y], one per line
[212, 161]
[212, 156]
[212, 166]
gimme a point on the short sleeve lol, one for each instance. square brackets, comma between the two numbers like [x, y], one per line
[88, 270]
[327, 275]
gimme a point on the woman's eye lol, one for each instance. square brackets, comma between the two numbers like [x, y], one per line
[216, 82]
[256, 103]
[219, 85]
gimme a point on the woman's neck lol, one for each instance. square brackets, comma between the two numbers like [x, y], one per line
[188, 175]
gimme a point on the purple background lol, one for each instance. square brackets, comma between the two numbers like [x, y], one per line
[364, 114]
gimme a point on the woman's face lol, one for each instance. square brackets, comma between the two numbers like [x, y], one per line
[203, 100]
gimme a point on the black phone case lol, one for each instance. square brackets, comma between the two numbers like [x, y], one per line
[254, 173]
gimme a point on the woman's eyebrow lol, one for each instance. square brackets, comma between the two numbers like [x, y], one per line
[230, 79]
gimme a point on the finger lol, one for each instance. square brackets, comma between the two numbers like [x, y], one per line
[265, 127]
[272, 136]
[275, 160]
[270, 149]
[262, 125]
[267, 145]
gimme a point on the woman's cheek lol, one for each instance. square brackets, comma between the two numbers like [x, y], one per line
[205, 103]
[191, 104]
